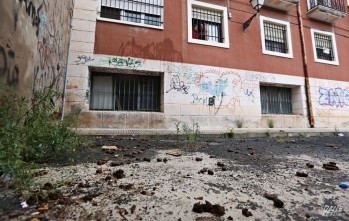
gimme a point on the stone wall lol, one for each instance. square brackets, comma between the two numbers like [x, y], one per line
[34, 36]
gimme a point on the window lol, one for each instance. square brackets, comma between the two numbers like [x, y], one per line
[276, 37]
[208, 24]
[276, 100]
[125, 92]
[324, 47]
[141, 12]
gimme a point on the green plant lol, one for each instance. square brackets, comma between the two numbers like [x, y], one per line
[230, 133]
[239, 123]
[270, 123]
[178, 130]
[281, 139]
[31, 132]
[192, 134]
[267, 133]
[336, 131]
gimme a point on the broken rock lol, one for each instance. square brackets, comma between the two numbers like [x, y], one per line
[278, 203]
[246, 213]
[310, 165]
[119, 174]
[301, 174]
[116, 163]
[218, 210]
[330, 166]
[198, 159]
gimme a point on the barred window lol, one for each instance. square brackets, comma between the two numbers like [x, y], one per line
[148, 12]
[323, 46]
[276, 100]
[275, 37]
[125, 92]
[207, 25]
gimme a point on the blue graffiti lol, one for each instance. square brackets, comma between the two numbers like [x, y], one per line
[334, 97]
[216, 89]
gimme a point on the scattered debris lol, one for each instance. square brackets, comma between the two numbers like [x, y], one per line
[278, 203]
[47, 186]
[133, 208]
[123, 212]
[109, 148]
[147, 159]
[330, 166]
[209, 208]
[343, 185]
[24, 205]
[310, 165]
[43, 208]
[103, 161]
[188, 176]
[116, 163]
[126, 187]
[174, 153]
[301, 174]
[270, 196]
[203, 170]
[199, 198]
[246, 213]
[159, 159]
[220, 164]
[119, 174]
[165, 160]
[198, 158]
[210, 172]
[333, 145]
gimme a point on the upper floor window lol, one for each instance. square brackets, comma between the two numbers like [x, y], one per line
[276, 37]
[140, 12]
[324, 47]
[207, 24]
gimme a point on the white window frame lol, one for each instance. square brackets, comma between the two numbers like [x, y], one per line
[334, 47]
[289, 54]
[225, 32]
[128, 22]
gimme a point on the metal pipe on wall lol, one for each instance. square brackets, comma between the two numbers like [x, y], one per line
[67, 64]
[305, 68]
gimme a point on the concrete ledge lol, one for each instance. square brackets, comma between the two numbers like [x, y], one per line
[236, 133]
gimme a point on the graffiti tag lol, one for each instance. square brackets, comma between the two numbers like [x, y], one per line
[83, 59]
[178, 85]
[334, 97]
[121, 62]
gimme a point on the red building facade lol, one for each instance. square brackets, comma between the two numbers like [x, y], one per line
[152, 63]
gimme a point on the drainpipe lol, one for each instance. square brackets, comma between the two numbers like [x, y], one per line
[305, 68]
[66, 70]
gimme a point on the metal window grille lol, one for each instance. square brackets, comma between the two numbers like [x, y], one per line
[148, 12]
[276, 100]
[207, 25]
[275, 36]
[125, 92]
[323, 44]
[332, 4]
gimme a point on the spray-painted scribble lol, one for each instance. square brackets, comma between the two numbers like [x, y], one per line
[83, 59]
[334, 97]
[178, 85]
[117, 62]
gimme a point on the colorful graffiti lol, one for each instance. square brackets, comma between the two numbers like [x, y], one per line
[216, 88]
[117, 62]
[337, 97]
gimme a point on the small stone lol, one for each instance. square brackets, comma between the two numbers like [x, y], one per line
[198, 158]
[133, 208]
[159, 159]
[307, 215]
[270, 196]
[116, 163]
[210, 172]
[224, 169]
[165, 160]
[146, 159]
[47, 186]
[301, 174]
[197, 208]
[278, 203]
[230, 218]
[330, 166]
[203, 170]
[218, 210]
[246, 213]
[220, 164]
[107, 178]
[310, 165]
[119, 174]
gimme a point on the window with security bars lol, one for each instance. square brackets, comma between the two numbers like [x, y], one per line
[207, 25]
[125, 92]
[324, 49]
[276, 100]
[275, 36]
[148, 12]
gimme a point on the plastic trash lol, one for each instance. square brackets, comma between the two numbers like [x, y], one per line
[24, 205]
[343, 185]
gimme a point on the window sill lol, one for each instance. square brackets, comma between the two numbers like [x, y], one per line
[129, 23]
[327, 62]
[209, 43]
[277, 54]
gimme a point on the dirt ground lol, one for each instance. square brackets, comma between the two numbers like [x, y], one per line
[281, 178]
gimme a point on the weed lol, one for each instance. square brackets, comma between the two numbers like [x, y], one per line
[192, 134]
[270, 123]
[267, 133]
[230, 133]
[301, 135]
[239, 123]
[336, 131]
[178, 130]
[31, 133]
[281, 139]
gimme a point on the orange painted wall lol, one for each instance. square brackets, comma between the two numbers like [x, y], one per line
[245, 51]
